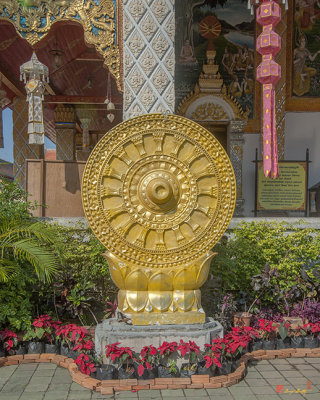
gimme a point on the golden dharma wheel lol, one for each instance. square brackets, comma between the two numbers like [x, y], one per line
[158, 192]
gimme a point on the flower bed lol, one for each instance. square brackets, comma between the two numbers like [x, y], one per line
[224, 357]
[194, 382]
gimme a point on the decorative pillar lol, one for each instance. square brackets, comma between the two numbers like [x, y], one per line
[235, 151]
[65, 132]
[22, 150]
[82, 155]
[149, 59]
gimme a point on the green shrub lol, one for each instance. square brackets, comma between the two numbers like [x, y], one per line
[251, 245]
[13, 201]
[16, 306]
[84, 283]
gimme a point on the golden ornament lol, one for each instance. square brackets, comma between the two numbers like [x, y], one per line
[159, 191]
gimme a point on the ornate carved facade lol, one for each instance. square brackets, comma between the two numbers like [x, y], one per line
[98, 19]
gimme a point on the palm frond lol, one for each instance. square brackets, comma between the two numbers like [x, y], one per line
[8, 269]
[42, 259]
[43, 232]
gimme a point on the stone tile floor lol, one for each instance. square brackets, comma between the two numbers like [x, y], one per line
[267, 380]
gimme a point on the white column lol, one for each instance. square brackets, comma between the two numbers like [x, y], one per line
[149, 59]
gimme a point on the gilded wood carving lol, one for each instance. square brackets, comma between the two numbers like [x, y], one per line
[97, 17]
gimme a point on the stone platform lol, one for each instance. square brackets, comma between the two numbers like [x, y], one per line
[138, 336]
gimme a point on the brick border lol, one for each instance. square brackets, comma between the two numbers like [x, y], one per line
[195, 382]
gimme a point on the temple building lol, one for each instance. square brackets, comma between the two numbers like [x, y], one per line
[71, 70]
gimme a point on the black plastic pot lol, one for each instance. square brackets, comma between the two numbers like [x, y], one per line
[269, 344]
[105, 372]
[234, 365]
[284, 344]
[21, 349]
[35, 347]
[258, 345]
[2, 352]
[65, 351]
[297, 342]
[187, 373]
[52, 348]
[203, 370]
[310, 342]
[164, 372]
[123, 373]
[225, 369]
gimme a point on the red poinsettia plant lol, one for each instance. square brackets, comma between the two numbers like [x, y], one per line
[43, 329]
[123, 356]
[212, 354]
[238, 340]
[84, 345]
[148, 358]
[49, 326]
[315, 328]
[166, 351]
[192, 351]
[70, 334]
[310, 329]
[9, 339]
[267, 329]
[85, 364]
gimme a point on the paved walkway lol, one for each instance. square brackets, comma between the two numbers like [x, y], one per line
[264, 379]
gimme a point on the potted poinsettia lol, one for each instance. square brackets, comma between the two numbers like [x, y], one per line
[212, 358]
[167, 363]
[146, 365]
[237, 342]
[315, 330]
[69, 335]
[192, 351]
[85, 346]
[124, 357]
[85, 363]
[42, 332]
[9, 342]
[268, 333]
[311, 332]
[226, 357]
[33, 337]
[50, 338]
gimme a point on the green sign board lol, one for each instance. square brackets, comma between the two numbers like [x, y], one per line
[288, 192]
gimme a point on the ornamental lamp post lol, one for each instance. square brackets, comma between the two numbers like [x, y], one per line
[35, 74]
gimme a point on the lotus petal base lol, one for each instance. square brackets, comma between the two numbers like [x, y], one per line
[163, 296]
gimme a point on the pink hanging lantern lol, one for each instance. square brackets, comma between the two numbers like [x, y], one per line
[268, 74]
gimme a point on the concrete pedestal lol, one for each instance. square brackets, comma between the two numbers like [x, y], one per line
[135, 336]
